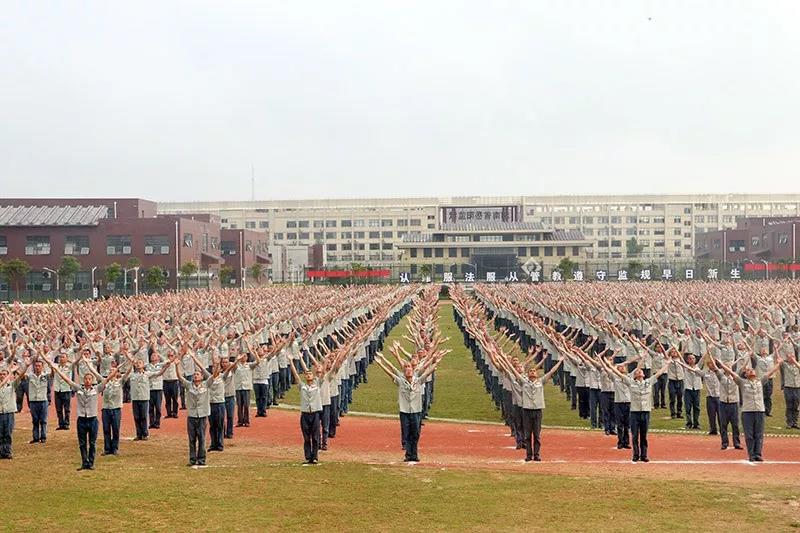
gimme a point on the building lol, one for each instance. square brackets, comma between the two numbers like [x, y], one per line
[98, 232]
[757, 239]
[372, 231]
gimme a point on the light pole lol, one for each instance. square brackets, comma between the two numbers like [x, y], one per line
[135, 270]
[93, 269]
[54, 273]
[244, 276]
[766, 269]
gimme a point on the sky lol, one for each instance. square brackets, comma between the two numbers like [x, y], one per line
[181, 101]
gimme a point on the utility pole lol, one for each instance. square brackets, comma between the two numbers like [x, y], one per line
[252, 183]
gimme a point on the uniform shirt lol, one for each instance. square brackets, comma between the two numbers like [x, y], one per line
[243, 378]
[37, 387]
[728, 388]
[763, 365]
[516, 393]
[216, 389]
[675, 371]
[157, 382]
[712, 384]
[59, 385]
[532, 393]
[791, 375]
[8, 399]
[86, 400]
[140, 386]
[622, 392]
[112, 393]
[230, 384]
[752, 394]
[310, 398]
[409, 395]
[641, 394]
[325, 391]
[171, 374]
[261, 371]
[197, 398]
[693, 379]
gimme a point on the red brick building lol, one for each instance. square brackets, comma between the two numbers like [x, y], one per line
[754, 239]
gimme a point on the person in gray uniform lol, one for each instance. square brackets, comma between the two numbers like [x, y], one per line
[790, 370]
[310, 413]
[8, 408]
[198, 407]
[753, 413]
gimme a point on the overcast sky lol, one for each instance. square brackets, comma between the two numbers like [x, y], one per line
[175, 101]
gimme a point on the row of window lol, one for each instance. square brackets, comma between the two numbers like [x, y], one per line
[522, 251]
[661, 207]
[331, 235]
[79, 245]
[332, 258]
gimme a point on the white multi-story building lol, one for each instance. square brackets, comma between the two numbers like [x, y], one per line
[367, 230]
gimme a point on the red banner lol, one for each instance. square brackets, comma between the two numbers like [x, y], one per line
[773, 267]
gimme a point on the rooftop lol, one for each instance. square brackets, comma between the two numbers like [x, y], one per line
[58, 215]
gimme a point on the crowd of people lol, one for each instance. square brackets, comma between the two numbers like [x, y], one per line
[204, 351]
[617, 352]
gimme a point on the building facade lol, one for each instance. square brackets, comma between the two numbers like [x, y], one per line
[372, 231]
[761, 239]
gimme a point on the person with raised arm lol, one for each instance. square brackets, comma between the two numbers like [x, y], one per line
[790, 370]
[216, 393]
[86, 410]
[753, 414]
[9, 380]
[62, 391]
[310, 412]
[140, 393]
[728, 405]
[198, 408]
[533, 407]
[641, 404]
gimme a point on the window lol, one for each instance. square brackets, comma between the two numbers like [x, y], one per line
[374, 223]
[347, 224]
[263, 224]
[374, 234]
[387, 246]
[233, 226]
[291, 236]
[374, 246]
[346, 235]
[76, 245]
[331, 257]
[616, 220]
[187, 240]
[318, 235]
[330, 234]
[439, 252]
[712, 219]
[402, 222]
[415, 222]
[413, 252]
[304, 236]
[588, 220]
[576, 250]
[156, 245]
[574, 220]
[250, 224]
[223, 221]
[330, 223]
[387, 234]
[658, 244]
[548, 251]
[291, 223]
[534, 251]
[452, 252]
[427, 252]
[783, 238]
[676, 244]
[603, 243]
[644, 220]
[386, 223]
[676, 231]
[37, 245]
[465, 252]
[358, 223]
[302, 224]
[616, 244]
[277, 236]
[347, 247]
[3, 245]
[359, 234]
[319, 223]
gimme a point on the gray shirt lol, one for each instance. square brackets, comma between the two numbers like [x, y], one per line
[197, 398]
[641, 394]
[752, 394]
[112, 394]
[310, 398]
[409, 395]
[37, 387]
[791, 375]
[728, 388]
[532, 394]
[86, 400]
[8, 399]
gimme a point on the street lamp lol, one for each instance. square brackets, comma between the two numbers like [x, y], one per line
[244, 276]
[93, 269]
[54, 273]
[766, 269]
[135, 270]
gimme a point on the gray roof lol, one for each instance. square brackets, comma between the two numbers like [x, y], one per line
[56, 215]
[568, 235]
[490, 225]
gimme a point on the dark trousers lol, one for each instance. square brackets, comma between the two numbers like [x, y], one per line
[325, 423]
[594, 407]
[767, 389]
[583, 402]
[111, 422]
[230, 407]
[243, 406]
[729, 414]
[572, 393]
[6, 430]
[607, 403]
[516, 418]
[753, 427]
[196, 428]
[640, 422]
[691, 401]
[275, 381]
[410, 426]
[532, 428]
[171, 397]
[22, 392]
[712, 410]
[309, 425]
[87, 439]
[140, 408]
[334, 416]
[622, 414]
[156, 397]
[792, 397]
[261, 391]
[660, 392]
[39, 419]
[675, 397]
[216, 425]
[285, 374]
[62, 401]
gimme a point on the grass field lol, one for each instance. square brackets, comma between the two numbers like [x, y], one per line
[252, 489]
[460, 394]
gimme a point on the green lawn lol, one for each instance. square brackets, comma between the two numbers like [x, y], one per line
[246, 488]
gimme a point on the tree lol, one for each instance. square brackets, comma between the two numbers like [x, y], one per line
[133, 262]
[68, 268]
[187, 270]
[16, 270]
[633, 248]
[225, 274]
[154, 278]
[566, 267]
[113, 272]
[256, 271]
[635, 267]
[425, 271]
